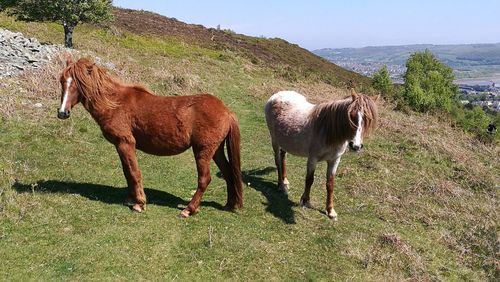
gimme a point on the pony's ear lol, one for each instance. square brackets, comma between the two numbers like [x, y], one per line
[354, 95]
[375, 98]
[68, 61]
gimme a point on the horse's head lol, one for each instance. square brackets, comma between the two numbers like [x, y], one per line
[362, 116]
[69, 94]
[84, 81]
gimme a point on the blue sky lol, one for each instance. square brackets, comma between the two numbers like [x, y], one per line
[315, 24]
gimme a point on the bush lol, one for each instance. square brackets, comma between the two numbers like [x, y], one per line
[428, 86]
[382, 81]
[428, 83]
[474, 120]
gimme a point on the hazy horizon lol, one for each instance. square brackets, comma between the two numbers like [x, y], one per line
[414, 44]
[319, 24]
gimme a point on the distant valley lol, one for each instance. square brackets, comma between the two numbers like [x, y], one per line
[477, 63]
[476, 66]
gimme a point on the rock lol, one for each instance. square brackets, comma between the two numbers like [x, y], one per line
[18, 66]
[18, 53]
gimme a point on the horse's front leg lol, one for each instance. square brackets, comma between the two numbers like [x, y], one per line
[311, 167]
[136, 198]
[330, 175]
[204, 178]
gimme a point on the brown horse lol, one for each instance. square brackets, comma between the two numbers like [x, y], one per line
[131, 118]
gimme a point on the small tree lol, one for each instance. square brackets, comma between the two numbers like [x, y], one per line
[67, 12]
[428, 83]
[382, 81]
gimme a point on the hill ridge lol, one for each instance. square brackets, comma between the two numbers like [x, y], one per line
[269, 52]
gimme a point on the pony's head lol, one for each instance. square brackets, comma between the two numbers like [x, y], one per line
[84, 81]
[347, 120]
[362, 118]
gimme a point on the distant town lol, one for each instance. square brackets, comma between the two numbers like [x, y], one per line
[396, 72]
[476, 66]
[474, 92]
[484, 94]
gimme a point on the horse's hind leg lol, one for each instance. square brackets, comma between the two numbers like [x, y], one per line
[279, 160]
[223, 164]
[311, 167]
[203, 158]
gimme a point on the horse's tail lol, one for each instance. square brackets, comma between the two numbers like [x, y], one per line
[234, 191]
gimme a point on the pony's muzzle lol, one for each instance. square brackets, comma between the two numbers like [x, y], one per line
[63, 115]
[355, 147]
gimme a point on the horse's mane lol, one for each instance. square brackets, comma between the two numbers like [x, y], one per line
[333, 120]
[93, 83]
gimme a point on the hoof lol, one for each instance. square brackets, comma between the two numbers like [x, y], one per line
[134, 206]
[305, 203]
[138, 208]
[185, 213]
[232, 207]
[332, 215]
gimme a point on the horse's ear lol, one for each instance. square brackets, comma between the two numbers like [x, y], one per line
[90, 68]
[375, 98]
[68, 61]
[354, 95]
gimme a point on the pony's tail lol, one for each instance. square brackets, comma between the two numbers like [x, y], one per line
[234, 191]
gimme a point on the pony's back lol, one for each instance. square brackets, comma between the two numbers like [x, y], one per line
[287, 120]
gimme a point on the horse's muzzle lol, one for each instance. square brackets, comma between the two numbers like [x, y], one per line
[355, 147]
[63, 115]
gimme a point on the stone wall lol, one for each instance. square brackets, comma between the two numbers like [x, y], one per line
[18, 53]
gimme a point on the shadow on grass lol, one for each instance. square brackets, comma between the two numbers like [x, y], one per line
[278, 203]
[107, 194]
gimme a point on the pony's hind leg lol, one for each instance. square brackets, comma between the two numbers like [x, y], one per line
[136, 198]
[286, 184]
[203, 158]
[279, 160]
[311, 167]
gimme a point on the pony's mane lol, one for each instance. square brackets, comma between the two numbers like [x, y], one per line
[93, 83]
[333, 120]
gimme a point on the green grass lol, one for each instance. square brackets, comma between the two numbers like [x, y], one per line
[421, 201]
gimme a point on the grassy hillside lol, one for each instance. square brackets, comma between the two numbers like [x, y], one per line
[420, 202]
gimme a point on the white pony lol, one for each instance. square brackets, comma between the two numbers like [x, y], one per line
[319, 132]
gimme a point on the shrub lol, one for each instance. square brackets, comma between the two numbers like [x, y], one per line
[382, 81]
[474, 120]
[428, 83]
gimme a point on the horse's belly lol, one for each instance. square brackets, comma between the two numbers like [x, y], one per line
[162, 150]
[156, 145]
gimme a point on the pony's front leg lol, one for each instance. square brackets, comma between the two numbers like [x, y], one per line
[136, 198]
[330, 175]
[204, 178]
[311, 167]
